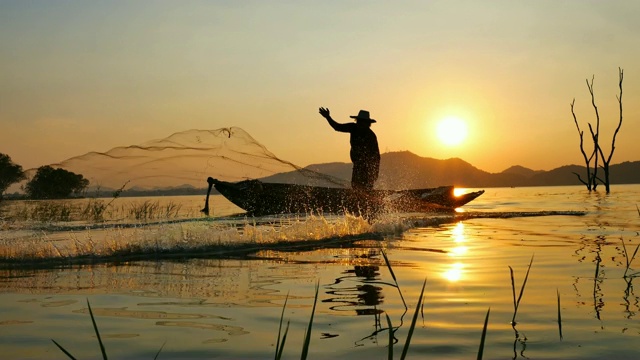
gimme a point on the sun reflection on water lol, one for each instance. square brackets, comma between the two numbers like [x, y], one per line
[455, 271]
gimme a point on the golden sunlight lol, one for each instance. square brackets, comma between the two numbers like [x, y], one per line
[451, 131]
[455, 272]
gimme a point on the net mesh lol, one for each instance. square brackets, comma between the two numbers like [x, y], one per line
[187, 159]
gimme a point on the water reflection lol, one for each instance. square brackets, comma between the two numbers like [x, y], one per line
[454, 272]
[361, 297]
[359, 291]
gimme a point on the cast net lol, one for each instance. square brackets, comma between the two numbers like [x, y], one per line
[187, 159]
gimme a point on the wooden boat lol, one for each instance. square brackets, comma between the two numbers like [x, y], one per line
[258, 198]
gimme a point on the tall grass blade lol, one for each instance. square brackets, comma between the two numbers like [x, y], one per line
[629, 259]
[390, 337]
[95, 327]
[386, 260]
[484, 335]
[405, 349]
[516, 303]
[637, 208]
[159, 351]
[63, 350]
[393, 275]
[559, 316]
[281, 345]
[513, 289]
[626, 254]
[307, 337]
[278, 345]
[524, 283]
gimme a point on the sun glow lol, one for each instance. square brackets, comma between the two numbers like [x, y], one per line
[451, 131]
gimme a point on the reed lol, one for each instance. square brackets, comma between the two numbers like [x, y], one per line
[559, 316]
[516, 302]
[393, 276]
[94, 210]
[628, 259]
[484, 335]
[307, 335]
[151, 210]
[95, 328]
[103, 350]
[44, 211]
[405, 349]
[412, 326]
[279, 343]
[390, 347]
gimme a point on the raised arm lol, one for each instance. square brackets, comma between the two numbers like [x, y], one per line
[335, 125]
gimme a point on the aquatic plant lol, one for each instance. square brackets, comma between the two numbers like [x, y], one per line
[412, 326]
[405, 349]
[393, 275]
[559, 316]
[44, 211]
[628, 259]
[95, 328]
[103, 350]
[516, 302]
[279, 343]
[307, 335]
[484, 335]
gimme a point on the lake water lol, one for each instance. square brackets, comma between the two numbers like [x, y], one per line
[227, 303]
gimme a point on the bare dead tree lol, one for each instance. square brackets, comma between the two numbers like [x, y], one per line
[587, 159]
[606, 162]
[592, 174]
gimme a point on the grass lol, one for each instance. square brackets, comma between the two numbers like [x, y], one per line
[484, 335]
[307, 335]
[103, 350]
[95, 328]
[629, 260]
[559, 316]
[516, 302]
[280, 343]
[93, 210]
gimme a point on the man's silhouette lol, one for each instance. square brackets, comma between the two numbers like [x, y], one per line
[365, 154]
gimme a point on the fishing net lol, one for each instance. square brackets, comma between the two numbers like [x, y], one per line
[186, 159]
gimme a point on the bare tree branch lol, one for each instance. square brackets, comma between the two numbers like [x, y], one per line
[615, 134]
[587, 160]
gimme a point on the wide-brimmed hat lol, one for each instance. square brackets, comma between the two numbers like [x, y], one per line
[363, 115]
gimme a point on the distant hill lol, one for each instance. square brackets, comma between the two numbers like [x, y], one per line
[405, 170]
[400, 170]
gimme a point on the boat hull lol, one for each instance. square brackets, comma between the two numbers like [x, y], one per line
[259, 198]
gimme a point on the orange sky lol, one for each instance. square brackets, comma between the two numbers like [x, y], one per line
[83, 76]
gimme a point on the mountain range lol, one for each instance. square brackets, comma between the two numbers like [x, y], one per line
[404, 169]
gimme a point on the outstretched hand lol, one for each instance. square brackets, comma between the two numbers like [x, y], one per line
[324, 112]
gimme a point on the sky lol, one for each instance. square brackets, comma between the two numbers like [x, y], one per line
[81, 76]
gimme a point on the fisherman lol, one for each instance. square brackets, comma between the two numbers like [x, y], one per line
[365, 154]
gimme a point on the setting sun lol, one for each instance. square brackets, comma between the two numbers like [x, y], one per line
[451, 131]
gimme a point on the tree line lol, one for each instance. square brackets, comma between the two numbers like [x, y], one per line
[47, 183]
